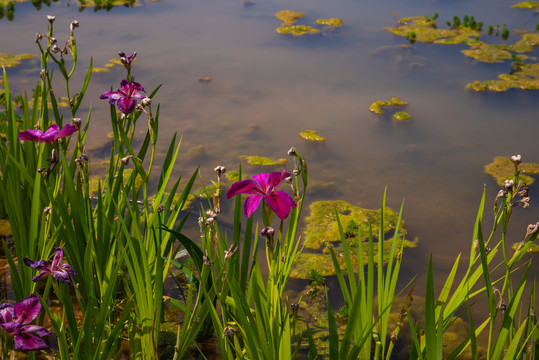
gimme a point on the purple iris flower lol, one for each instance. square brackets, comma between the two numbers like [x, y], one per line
[52, 134]
[126, 97]
[57, 270]
[263, 187]
[127, 60]
[13, 319]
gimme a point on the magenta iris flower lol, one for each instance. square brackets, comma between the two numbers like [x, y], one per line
[57, 270]
[263, 187]
[14, 320]
[52, 134]
[126, 97]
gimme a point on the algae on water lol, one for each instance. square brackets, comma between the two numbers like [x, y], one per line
[502, 168]
[402, 116]
[288, 17]
[375, 107]
[322, 229]
[261, 160]
[311, 135]
[9, 60]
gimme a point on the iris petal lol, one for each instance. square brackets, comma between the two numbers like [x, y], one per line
[243, 187]
[251, 204]
[281, 203]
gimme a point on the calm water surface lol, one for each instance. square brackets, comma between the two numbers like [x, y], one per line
[267, 87]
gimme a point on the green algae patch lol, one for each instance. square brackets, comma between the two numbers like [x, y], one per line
[9, 60]
[288, 17]
[5, 228]
[526, 78]
[232, 175]
[375, 107]
[534, 248]
[322, 229]
[297, 30]
[488, 53]
[99, 70]
[423, 29]
[311, 135]
[106, 3]
[502, 168]
[402, 116]
[531, 5]
[334, 22]
[261, 160]
[205, 192]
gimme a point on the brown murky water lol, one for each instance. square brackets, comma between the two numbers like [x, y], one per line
[266, 88]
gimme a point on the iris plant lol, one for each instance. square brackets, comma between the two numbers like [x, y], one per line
[57, 270]
[126, 97]
[52, 134]
[16, 319]
[262, 187]
[127, 60]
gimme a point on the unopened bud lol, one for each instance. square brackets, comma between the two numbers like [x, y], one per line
[51, 19]
[55, 49]
[292, 152]
[146, 101]
[516, 159]
[53, 40]
[74, 24]
[47, 210]
[76, 122]
[219, 170]
[139, 107]
[508, 185]
[125, 160]
[295, 172]
[38, 37]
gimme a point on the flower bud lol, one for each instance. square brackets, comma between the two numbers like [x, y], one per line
[139, 107]
[146, 101]
[508, 185]
[53, 40]
[219, 170]
[76, 122]
[51, 19]
[74, 24]
[55, 49]
[47, 210]
[125, 160]
[516, 159]
[292, 152]
[38, 37]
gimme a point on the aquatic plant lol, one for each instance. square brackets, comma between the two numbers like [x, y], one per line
[375, 107]
[48, 136]
[9, 60]
[56, 269]
[311, 135]
[126, 97]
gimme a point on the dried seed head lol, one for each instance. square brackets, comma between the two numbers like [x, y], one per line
[508, 185]
[41, 170]
[160, 208]
[47, 210]
[139, 107]
[55, 49]
[295, 172]
[38, 37]
[125, 160]
[267, 232]
[230, 252]
[228, 331]
[53, 40]
[206, 260]
[524, 191]
[51, 19]
[209, 221]
[210, 214]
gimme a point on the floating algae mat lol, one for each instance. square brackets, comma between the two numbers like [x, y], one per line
[106, 3]
[322, 229]
[289, 18]
[9, 60]
[261, 160]
[375, 107]
[525, 77]
[311, 135]
[402, 116]
[532, 5]
[502, 168]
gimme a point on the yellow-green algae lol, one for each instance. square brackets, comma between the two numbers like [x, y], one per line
[10, 60]
[525, 79]
[311, 135]
[205, 192]
[297, 30]
[106, 3]
[232, 175]
[99, 70]
[5, 228]
[330, 22]
[322, 229]
[288, 17]
[5, 2]
[534, 248]
[394, 101]
[402, 116]
[502, 168]
[532, 5]
[424, 29]
[261, 160]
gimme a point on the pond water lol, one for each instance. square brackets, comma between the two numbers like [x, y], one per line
[266, 88]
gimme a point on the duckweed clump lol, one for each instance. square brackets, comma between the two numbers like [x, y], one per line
[297, 30]
[262, 160]
[311, 135]
[402, 116]
[375, 107]
[289, 18]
